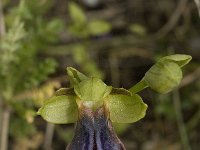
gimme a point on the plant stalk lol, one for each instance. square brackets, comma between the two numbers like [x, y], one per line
[2, 32]
[2, 23]
[49, 136]
[194, 121]
[197, 2]
[4, 128]
[180, 121]
[4, 111]
[1, 116]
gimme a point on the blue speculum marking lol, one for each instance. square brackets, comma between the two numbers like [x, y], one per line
[94, 131]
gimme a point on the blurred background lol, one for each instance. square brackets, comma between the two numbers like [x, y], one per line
[116, 40]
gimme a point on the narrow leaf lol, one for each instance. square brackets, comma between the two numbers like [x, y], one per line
[138, 29]
[76, 13]
[98, 27]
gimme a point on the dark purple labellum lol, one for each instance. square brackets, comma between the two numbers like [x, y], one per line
[94, 131]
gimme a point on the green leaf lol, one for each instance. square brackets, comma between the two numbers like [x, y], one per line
[52, 28]
[138, 29]
[75, 76]
[77, 14]
[125, 109]
[92, 89]
[164, 76]
[78, 30]
[98, 27]
[60, 110]
[180, 59]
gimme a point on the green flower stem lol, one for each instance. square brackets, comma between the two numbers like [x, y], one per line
[138, 87]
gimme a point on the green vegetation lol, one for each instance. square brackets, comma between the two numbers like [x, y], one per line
[21, 68]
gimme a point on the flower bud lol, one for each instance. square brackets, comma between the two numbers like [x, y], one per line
[164, 76]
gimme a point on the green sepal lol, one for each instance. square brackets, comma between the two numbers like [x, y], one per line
[179, 59]
[164, 76]
[75, 76]
[125, 108]
[60, 110]
[92, 89]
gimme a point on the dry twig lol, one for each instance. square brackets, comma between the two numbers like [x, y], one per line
[5, 113]
[191, 77]
[48, 136]
[197, 2]
[173, 19]
[2, 23]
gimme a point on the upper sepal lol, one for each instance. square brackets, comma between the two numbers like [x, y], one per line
[92, 89]
[75, 76]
